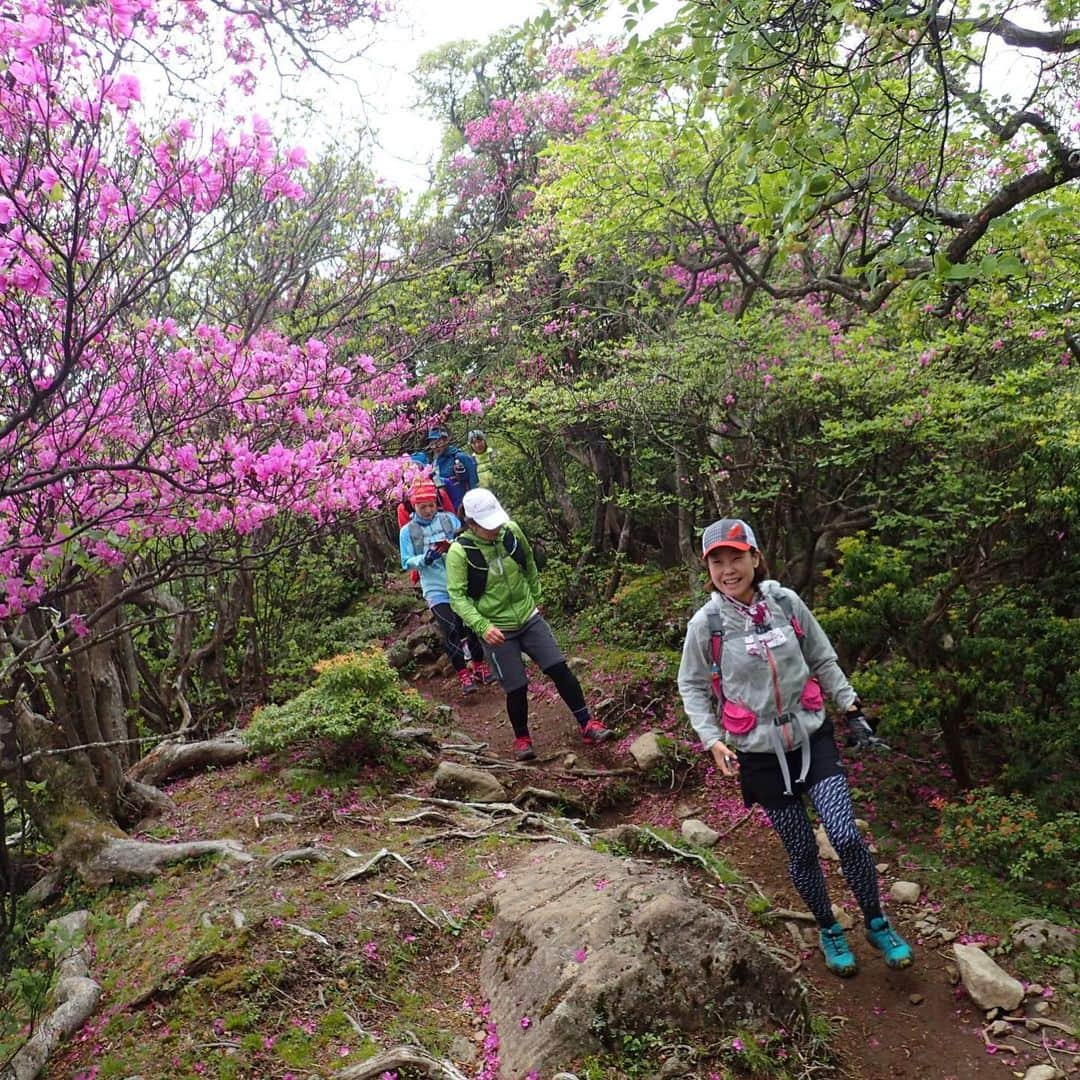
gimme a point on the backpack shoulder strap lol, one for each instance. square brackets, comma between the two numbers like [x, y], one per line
[513, 548]
[783, 598]
[716, 651]
[476, 567]
[416, 536]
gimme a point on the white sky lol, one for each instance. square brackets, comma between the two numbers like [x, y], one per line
[407, 140]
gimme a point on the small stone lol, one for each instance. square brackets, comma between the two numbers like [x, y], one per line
[999, 1028]
[1032, 1025]
[862, 825]
[842, 917]
[1043, 1072]
[916, 999]
[1065, 975]
[825, 849]
[239, 920]
[1034, 990]
[993, 1014]
[646, 751]
[952, 973]
[697, 832]
[569, 763]
[135, 914]
[1041, 1008]
[685, 810]
[904, 892]
[881, 867]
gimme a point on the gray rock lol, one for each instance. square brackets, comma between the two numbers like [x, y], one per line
[825, 849]
[1044, 1072]
[646, 751]
[843, 918]
[135, 914]
[988, 985]
[592, 948]
[470, 785]
[697, 832]
[904, 892]
[1041, 935]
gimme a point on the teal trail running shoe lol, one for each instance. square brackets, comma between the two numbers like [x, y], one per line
[839, 959]
[895, 950]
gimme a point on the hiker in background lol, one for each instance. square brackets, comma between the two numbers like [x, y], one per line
[756, 647]
[485, 458]
[495, 587]
[424, 541]
[405, 507]
[454, 469]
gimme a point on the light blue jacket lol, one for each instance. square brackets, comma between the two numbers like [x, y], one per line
[442, 528]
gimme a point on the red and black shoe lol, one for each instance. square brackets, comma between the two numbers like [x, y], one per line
[594, 733]
[523, 748]
[482, 673]
[468, 683]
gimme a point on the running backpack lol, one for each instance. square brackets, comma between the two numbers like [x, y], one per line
[477, 567]
[716, 639]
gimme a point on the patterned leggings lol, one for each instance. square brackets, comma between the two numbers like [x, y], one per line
[832, 800]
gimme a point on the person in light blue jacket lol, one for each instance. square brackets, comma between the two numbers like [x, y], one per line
[424, 541]
[756, 666]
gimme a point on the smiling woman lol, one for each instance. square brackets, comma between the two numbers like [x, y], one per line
[756, 648]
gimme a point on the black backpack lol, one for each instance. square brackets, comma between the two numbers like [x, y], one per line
[476, 564]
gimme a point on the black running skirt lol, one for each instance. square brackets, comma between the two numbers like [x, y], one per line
[762, 782]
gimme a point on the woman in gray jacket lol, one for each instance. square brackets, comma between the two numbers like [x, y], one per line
[755, 668]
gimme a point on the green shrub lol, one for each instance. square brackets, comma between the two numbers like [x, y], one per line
[356, 697]
[307, 643]
[1006, 836]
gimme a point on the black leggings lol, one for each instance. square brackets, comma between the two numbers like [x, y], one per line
[566, 683]
[832, 800]
[455, 635]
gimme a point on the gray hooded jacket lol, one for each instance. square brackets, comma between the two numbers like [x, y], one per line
[765, 673]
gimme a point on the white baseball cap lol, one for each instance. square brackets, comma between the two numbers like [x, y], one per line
[481, 506]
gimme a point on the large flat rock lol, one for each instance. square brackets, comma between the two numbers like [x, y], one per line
[587, 947]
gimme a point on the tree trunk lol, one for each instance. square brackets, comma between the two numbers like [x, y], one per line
[567, 521]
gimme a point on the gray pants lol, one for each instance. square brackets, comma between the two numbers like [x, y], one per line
[536, 640]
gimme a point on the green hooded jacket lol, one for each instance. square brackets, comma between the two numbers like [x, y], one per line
[511, 596]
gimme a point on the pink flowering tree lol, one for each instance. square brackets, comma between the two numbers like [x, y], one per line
[143, 443]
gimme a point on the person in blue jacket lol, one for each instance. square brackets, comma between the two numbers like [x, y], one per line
[454, 469]
[424, 541]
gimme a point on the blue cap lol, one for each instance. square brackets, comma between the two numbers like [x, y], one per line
[437, 433]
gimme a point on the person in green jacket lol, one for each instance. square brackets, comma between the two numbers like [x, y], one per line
[494, 586]
[485, 458]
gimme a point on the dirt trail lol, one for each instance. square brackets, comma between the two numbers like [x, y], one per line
[911, 1023]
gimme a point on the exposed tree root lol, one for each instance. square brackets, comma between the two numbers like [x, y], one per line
[402, 1057]
[77, 996]
[171, 758]
[120, 858]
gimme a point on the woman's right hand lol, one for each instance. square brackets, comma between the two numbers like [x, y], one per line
[494, 636]
[726, 759]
